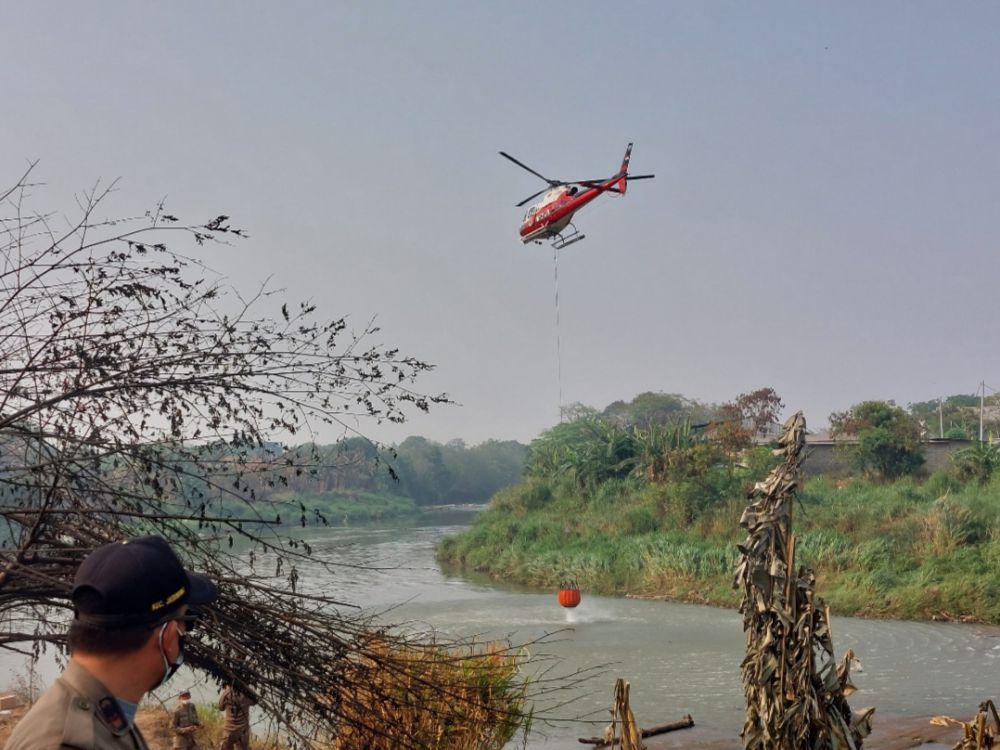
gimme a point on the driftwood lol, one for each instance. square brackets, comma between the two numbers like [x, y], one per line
[684, 723]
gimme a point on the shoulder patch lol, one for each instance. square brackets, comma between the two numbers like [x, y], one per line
[111, 712]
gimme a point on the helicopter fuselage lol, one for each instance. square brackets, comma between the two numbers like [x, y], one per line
[553, 213]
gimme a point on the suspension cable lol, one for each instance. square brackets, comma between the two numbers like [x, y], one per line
[555, 266]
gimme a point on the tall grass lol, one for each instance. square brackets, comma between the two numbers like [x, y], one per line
[467, 698]
[909, 549]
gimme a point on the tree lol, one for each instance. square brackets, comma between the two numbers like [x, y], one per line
[137, 397]
[731, 431]
[760, 410]
[422, 470]
[958, 416]
[646, 409]
[649, 409]
[751, 415]
[887, 438]
[590, 450]
[575, 410]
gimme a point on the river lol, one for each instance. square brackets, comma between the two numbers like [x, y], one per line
[680, 658]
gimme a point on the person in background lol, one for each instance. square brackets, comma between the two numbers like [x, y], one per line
[236, 728]
[131, 603]
[185, 723]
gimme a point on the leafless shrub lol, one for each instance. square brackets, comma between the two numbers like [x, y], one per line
[138, 397]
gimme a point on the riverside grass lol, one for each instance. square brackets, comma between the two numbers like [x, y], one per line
[467, 698]
[906, 550]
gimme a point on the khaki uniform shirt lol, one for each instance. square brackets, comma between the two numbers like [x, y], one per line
[236, 707]
[76, 713]
[185, 716]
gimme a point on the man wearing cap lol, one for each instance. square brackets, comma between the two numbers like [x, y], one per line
[185, 722]
[131, 603]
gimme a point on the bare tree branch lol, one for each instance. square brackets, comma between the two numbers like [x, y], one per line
[137, 397]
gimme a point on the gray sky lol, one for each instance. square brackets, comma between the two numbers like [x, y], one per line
[823, 221]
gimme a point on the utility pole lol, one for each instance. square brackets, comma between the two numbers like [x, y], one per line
[982, 399]
[940, 419]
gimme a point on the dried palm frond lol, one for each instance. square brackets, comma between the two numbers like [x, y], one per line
[622, 715]
[796, 694]
[980, 733]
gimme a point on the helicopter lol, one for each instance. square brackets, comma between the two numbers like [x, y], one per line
[549, 217]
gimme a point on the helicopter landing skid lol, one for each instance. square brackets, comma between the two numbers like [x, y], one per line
[562, 241]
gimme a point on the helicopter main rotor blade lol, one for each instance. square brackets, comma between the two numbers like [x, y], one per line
[600, 183]
[530, 197]
[553, 183]
[597, 183]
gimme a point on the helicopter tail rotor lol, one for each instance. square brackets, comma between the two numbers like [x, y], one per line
[623, 182]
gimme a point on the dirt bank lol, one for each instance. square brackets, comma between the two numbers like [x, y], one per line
[888, 733]
[153, 722]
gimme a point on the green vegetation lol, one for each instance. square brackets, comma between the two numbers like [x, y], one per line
[979, 461]
[655, 512]
[417, 472]
[958, 416]
[431, 473]
[354, 480]
[910, 550]
[888, 439]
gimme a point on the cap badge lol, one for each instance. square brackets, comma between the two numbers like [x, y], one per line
[169, 600]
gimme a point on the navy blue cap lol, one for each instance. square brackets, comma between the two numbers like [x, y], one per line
[135, 582]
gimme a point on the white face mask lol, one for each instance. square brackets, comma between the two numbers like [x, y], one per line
[168, 668]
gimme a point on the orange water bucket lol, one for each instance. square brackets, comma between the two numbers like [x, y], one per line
[569, 596]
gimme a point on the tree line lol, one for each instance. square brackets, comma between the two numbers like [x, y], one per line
[881, 440]
[428, 472]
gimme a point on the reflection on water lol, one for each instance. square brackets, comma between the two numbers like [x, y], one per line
[679, 658]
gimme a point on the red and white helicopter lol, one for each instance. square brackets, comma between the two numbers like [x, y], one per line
[553, 213]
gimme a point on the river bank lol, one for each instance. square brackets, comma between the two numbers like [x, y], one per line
[906, 551]
[888, 733]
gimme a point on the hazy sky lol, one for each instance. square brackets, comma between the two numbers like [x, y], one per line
[824, 218]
